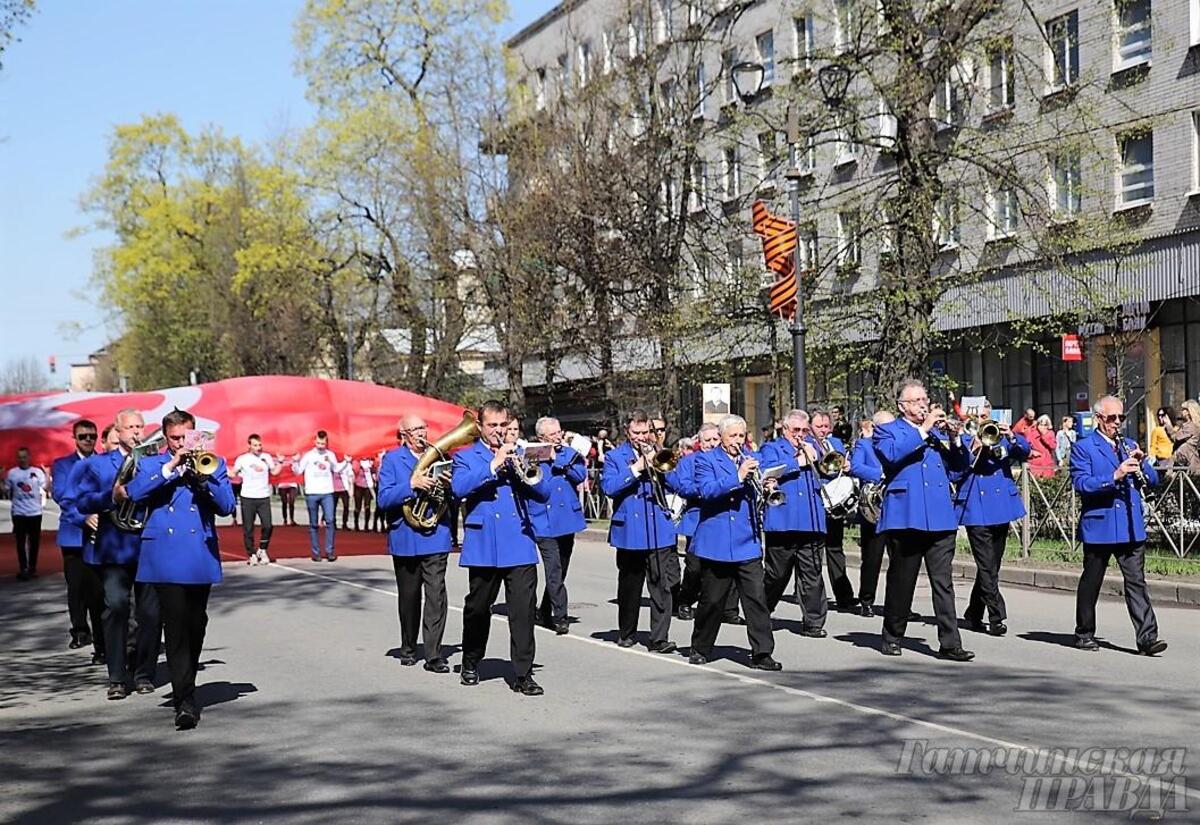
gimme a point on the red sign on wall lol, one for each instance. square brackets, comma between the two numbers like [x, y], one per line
[1072, 349]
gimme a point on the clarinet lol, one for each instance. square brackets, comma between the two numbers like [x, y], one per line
[1139, 481]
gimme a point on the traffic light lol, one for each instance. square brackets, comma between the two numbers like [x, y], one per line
[53, 365]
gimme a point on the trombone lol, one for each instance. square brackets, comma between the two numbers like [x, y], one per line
[832, 463]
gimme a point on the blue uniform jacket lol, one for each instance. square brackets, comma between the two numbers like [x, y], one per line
[498, 532]
[918, 490]
[70, 520]
[93, 494]
[985, 492]
[562, 515]
[864, 463]
[728, 529]
[685, 477]
[1110, 511]
[395, 489]
[802, 510]
[638, 522]
[179, 541]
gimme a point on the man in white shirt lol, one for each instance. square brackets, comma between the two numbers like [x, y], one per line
[25, 486]
[318, 466]
[255, 469]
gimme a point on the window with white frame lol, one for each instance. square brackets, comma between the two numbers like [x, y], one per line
[667, 98]
[669, 194]
[768, 155]
[849, 253]
[1136, 176]
[1001, 82]
[663, 23]
[948, 103]
[887, 126]
[1132, 29]
[539, 89]
[728, 89]
[802, 42]
[807, 250]
[731, 173]
[1002, 210]
[1066, 184]
[564, 73]
[946, 221]
[846, 151]
[846, 24]
[637, 34]
[887, 233]
[806, 155]
[765, 43]
[735, 260]
[609, 40]
[700, 90]
[1062, 37]
[583, 62]
[698, 184]
[695, 12]
[1195, 152]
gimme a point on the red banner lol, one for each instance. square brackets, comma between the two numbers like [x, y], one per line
[1072, 349]
[285, 410]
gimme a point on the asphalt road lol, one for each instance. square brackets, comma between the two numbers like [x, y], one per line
[310, 718]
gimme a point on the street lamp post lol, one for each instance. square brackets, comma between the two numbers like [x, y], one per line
[798, 329]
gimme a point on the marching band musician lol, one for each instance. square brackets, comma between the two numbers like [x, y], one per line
[685, 471]
[642, 533]
[556, 521]
[498, 546]
[865, 466]
[1110, 474]
[419, 557]
[796, 529]
[918, 516]
[115, 554]
[81, 589]
[835, 528]
[728, 543]
[179, 554]
[986, 499]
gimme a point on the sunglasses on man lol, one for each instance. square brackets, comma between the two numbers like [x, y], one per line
[1113, 418]
[85, 436]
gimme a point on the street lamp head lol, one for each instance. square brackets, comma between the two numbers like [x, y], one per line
[834, 79]
[748, 79]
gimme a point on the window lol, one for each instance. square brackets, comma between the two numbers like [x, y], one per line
[735, 260]
[806, 155]
[946, 221]
[845, 24]
[1066, 186]
[669, 195]
[1137, 169]
[700, 91]
[1132, 33]
[1002, 211]
[1002, 86]
[583, 62]
[1062, 34]
[887, 234]
[849, 254]
[728, 90]
[1195, 153]
[609, 45]
[768, 155]
[539, 89]
[667, 99]
[637, 34]
[806, 250]
[846, 151]
[699, 185]
[731, 174]
[887, 126]
[1195, 19]
[802, 32]
[564, 73]
[663, 22]
[765, 43]
[948, 104]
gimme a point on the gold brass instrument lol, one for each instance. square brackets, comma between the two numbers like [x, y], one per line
[772, 498]
[201, 462]
[832, 463]
[426, 510]
[526, 471]
[129, 515]
[659, 462]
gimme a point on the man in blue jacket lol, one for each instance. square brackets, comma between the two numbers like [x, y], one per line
[179, 553]
[823, 441]
[498, 546]
[685, 471]
[642, 533]
[555, 522]
[987, 499]
[82, 584]
[728, 542]
[917, 453]
[1109, 471]
[115, 554]
[865, 466]
[419, 556]
[796, 529]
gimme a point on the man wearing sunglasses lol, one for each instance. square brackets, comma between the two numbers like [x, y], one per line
[71, 527]
[1110, 472]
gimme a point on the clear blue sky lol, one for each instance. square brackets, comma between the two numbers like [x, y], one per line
[83, 67]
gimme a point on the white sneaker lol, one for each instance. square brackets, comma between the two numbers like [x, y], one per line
[252, 560]
[262, 557]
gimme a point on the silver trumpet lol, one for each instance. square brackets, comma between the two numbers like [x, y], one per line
[766, 498]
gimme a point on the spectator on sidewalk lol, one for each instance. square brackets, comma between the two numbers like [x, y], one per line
[1064, 440]
[1043, 460]
[1162, 448]
[1187, 438]
[25, 485]
[318, 467]
[1026, 422]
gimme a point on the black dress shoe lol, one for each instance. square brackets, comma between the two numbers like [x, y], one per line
[525, 685]
[186, 717]
[814, 632]
[437, 666]
[626, 642]
[735, 619]
[1153, 649]
[997, 628]
[890, 648]
[23, 576]
[1087, 644]
[914, 616]
[973, 625]
[314, 558]
[333, 557]
[469, 676]
[408, 660]
[144, 686]
[684, 613]
[663, 647]
[99, 659]
[866, 609]
[697, 659]
[562, 628]
[765, 662]
[117, 690]
[956, 654]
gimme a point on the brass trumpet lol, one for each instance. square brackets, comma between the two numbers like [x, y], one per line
[129, 515]
[201, 462]
[832, 463]
[527, 472]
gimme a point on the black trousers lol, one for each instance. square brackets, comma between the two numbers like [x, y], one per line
[119, 585]
[27, 532]
[835, 561]
[794, 551]
[185, 618]
[1131, 558]
[638, 568]
[908, 549]
[872, 545]
[556, 558]
[716, 578]
[85, 598]
[363, 503]
[287, 502]
[252, 507]
[341, 497]
[414, 575]
[987, 546]
[520, 593]
[687, 592]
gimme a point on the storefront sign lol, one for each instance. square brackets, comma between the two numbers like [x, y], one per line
[1130, 316]
[1072, 350]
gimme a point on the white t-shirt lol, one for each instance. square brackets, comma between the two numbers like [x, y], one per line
[25, 489]
[318, 467]
[255, 472]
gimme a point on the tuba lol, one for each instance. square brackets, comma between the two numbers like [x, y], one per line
[426, 510]
[130, 515]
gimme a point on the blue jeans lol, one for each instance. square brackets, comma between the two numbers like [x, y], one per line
[325, 504]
